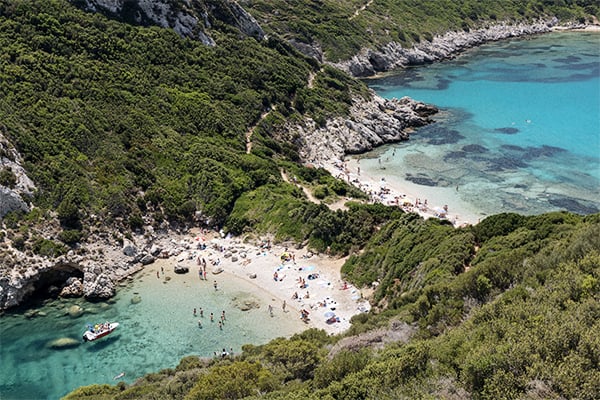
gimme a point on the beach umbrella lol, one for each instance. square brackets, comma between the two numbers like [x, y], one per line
[329, 314]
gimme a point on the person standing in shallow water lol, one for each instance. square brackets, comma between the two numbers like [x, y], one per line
[215, 285]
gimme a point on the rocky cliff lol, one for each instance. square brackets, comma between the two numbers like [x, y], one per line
[15, 186]
[393, 56]
[370, 123]
[189, 18]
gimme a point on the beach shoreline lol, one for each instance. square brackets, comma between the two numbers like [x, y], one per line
[410, 198]
[232, 257]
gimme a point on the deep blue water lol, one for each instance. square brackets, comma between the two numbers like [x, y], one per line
[519, 127]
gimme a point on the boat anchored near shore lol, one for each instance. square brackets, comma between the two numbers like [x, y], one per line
[99, 330]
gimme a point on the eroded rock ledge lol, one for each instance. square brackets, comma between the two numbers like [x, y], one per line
[371, 123]
[393, 56]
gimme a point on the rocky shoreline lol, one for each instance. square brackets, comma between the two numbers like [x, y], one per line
[392, 56]
[370, 123]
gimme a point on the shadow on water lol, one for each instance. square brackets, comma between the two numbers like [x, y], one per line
[101, 344]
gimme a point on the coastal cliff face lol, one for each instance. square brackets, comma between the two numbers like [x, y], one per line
[370, 123]
[189, 18]
[15, 186]
[393, 56]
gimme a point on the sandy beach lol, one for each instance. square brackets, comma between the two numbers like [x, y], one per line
[277, 270]
[427, 202]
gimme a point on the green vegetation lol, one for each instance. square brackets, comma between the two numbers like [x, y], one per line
[119, 121]
[518, 319]
[343, 28]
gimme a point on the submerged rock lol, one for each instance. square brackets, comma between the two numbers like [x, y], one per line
[75, 311]
[63, 343]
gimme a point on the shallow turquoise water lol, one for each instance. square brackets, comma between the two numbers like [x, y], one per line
[519, 128]
[153, 334]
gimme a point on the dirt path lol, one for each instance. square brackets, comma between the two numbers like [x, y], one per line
[338, 205]
[250, 131]
[363, 8]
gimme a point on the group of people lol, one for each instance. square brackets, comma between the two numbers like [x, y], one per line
[221, 321]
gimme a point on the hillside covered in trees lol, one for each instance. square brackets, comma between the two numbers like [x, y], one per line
[122, 126]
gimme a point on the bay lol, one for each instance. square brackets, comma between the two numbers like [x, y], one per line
[518, 130]
[157, 329]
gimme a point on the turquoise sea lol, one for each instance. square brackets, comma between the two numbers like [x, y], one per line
[154, 333]
[518, 131]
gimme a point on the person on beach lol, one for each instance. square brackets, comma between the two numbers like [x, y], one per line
[220, 325]
[194, 312]
[223, 315]
[215, 285]
[157, 275]
[212, 317]
[199, 324]
[162, 270]
[270, 310]
[295, 296]
[201, 313]
[283, 306]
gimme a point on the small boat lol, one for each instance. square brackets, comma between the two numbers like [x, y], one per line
[99, 330]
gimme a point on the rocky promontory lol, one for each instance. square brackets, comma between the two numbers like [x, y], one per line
[393, 56]
[371, 122]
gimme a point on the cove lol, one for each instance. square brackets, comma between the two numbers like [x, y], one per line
[518, 131]
[157, 329]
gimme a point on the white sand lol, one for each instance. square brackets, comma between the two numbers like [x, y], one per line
[432, 201]
[325, 292]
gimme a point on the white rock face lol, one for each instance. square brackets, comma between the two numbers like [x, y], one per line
[14, 198]
[371, 123]
[188, 19]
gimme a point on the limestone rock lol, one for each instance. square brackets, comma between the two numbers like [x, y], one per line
[147, 259]
[155, 250]
[13, 198]
[129, 248]
[72, 288]
[371, 123]
[98, 286]
[188, 19]
[392, 56]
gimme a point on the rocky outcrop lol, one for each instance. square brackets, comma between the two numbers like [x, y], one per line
[98, 286]
[73, 288]
[393, 56]
[189, 18]
[370, 123]
[15, 186]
